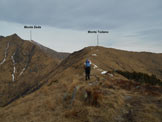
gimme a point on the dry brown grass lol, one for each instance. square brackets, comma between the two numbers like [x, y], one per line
[147, 117]
[95, 100]
[50, 104]
[45, 90]
[77, 112]
[150, 113]
[72, 85]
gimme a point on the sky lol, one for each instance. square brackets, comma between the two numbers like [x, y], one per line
[134, 25]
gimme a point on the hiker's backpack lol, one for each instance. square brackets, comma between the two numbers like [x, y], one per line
[88, 63]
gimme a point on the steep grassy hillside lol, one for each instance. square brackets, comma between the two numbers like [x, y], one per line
[107, 59]
[107, 97]
[23, 67]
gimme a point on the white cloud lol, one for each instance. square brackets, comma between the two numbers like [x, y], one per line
[133, 24]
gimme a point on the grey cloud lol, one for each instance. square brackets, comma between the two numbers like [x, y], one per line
[151, 34]
[79, 14]
[140, 19]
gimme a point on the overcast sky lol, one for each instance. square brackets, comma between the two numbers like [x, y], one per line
[134, 25]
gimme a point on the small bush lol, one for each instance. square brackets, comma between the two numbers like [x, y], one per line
[93, 96]
[141, 77]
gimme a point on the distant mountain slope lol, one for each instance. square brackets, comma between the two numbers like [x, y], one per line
[59, 55]
[111, 60]
[1, 37]
[23, 67]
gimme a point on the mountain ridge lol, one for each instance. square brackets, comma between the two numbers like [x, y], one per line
[66, 96]
[137, 61]
[23, 64]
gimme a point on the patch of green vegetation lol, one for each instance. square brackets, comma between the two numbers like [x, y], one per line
[141, 77]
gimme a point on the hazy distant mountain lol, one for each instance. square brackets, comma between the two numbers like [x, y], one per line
[59, 55]
[1, 37]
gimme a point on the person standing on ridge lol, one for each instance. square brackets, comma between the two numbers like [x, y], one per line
[87, 69]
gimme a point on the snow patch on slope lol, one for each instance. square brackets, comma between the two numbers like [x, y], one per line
[22, 71]
[14, 68]
[95, 66]
[6, 51]
[94, 54]
[103, 72]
